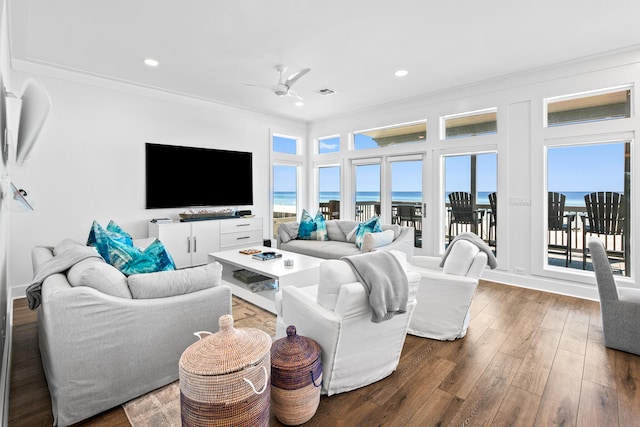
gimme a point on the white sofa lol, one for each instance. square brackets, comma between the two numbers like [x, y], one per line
[103, 343]
[337, 314]
[340, 242]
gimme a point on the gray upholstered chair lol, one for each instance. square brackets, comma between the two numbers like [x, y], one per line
[619, 306]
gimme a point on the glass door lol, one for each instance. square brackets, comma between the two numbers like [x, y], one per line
[406, 195]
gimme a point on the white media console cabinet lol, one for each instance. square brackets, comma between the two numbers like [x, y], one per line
[190, 242]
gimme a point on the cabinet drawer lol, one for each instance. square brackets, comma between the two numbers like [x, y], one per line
[240, 225]
[241, 238]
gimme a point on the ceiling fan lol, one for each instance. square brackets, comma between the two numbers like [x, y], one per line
[283, 87]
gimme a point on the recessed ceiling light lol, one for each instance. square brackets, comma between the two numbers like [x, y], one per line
[151, 62]
[401, 73]
[325, 91]
[299, 104]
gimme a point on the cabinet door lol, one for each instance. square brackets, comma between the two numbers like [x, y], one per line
[176, 238]
[205, 237]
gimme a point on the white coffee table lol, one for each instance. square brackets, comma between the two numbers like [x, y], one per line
[304, 272]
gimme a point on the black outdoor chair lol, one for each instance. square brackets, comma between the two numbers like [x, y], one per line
[405, 215]
[463, 212]
[558, 221]
[492, 232]
[605, 216]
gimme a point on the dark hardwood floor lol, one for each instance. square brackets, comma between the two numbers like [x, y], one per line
[530, 358]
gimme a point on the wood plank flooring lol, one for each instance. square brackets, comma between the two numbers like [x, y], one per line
[530, 358]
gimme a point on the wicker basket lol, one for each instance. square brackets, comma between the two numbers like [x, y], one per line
[224, 378]
[296, 378]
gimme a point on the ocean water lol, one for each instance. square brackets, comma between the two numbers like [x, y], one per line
[288, 198]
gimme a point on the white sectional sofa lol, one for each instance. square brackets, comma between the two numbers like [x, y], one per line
[340, 242]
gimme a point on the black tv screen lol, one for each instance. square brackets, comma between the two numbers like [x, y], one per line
[181, 177]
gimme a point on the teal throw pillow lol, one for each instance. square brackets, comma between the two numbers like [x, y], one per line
[312, 228]
[131, 260]
[369, 226]
[100, 238]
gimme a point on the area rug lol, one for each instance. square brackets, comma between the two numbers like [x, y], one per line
[162, 407]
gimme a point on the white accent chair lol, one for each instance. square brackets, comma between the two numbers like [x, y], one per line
[337, 314]
[445, 293]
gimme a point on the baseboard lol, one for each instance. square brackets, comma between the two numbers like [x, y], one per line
[5, 373]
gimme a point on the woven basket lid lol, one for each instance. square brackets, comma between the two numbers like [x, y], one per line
[294, 351]
[228, 350]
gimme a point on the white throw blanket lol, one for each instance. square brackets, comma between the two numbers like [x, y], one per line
[58, 264]
[476, 240]
[384, 280]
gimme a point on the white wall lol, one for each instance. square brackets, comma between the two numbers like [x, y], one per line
[89, 161]
[520, 144]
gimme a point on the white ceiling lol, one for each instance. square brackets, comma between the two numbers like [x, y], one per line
[214, 50]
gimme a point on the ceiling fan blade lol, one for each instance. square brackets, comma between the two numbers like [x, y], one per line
[296, 76]
[294, 95]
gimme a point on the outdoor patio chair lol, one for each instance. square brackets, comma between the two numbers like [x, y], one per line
[492, 232]
[558, 221]
[463, 213]
[605, 217]
[405, 215]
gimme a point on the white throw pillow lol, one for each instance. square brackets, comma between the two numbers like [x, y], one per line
[163, 284]
[375, 240]
[351, 236]
[97, 274]
[333, 274]
[460, 258]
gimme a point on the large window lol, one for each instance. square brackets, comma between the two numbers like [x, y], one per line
[287, 164]
[473, 123]
[470, 182]
[606, 104]
[591, 184]
[329, 191]
[406, 195]
[367, 191]
[285, 194]
[329, 145]
[284, 144]
[393, 135]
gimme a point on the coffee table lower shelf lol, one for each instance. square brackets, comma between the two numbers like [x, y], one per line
[303, 272]
[263, 299]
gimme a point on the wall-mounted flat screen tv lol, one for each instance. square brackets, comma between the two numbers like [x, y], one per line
[182, 177]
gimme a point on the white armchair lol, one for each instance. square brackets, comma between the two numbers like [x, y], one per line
[445, 293]
[337, 314]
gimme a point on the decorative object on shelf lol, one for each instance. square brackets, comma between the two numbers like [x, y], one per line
[250, 251]
[34, 110]
[162, 220]
[21, 199]
[225, 377]
[288, 262]
[263, 285]
[248, 276]
[296, 378]
[192, 215]
[36, 104]
[266, 256]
